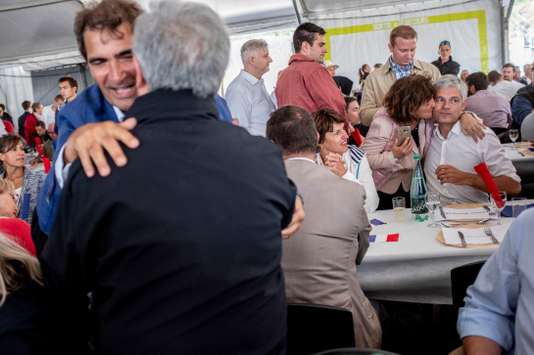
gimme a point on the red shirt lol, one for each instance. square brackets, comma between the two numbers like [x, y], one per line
[307, 84]
[29, 129]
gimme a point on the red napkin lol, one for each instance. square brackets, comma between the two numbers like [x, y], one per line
[483, 172]
[46, 163]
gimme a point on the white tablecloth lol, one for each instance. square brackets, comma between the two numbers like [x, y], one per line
[512, 153]
[417, 267]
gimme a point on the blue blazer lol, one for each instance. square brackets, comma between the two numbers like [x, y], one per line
[89, 106]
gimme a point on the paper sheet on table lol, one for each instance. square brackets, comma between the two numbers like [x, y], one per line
[461, 214]
[473, 236]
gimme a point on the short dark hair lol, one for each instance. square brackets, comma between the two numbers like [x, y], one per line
[402, 31]
[494, 76]
[40, 124]
[3, 107]
[59, 97]
[35, 106]
[293, 129]
[509, 65]
[324, 122]
[72, 82]
[348, 100]
[405, 97]
[105, 15]
[306, 33]
[26, 105]
[479, 80]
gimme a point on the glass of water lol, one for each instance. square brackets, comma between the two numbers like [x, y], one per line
[432, 203]
[513, 134]
[496, 209]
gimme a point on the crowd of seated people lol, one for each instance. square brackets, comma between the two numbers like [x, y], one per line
[272, 212]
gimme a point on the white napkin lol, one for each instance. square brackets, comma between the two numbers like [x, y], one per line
[462, 214]
[473, 236]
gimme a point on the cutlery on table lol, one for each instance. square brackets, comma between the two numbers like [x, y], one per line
[490, 234]
[462, 239]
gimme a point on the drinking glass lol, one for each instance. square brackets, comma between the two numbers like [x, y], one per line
[399, 205]
[432, 202]
[496, 210]
[513, 134]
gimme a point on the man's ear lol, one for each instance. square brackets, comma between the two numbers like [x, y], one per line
[140, 83]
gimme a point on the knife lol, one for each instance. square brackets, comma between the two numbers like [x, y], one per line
[442, 212]
[462, 239]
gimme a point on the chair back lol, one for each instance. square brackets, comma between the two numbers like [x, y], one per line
[461, 278]
[355, 351]
[527, 127]
[312, 328]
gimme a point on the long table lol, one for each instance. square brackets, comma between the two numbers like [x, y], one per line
[417, 267]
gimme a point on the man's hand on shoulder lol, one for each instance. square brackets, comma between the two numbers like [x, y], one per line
[89, 142]
[296, 221]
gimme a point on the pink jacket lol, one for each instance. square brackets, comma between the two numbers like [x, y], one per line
[307, 84]
[388, 171]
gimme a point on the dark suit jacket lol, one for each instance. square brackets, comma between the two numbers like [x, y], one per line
[89, 106]
[180, 248]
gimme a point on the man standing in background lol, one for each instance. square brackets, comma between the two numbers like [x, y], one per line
[246, 95]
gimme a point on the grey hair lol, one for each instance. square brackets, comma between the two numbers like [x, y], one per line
[447, 81]
[182, 45]
[252, 46]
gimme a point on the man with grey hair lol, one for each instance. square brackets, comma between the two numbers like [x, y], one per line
[246, 95]
[202, 259]
[452, 155]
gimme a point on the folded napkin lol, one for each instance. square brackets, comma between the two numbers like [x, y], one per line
[473, 236]
[508, 210]
[461, 214]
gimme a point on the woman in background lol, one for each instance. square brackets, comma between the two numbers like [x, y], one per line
[346, 161]
[26, 180]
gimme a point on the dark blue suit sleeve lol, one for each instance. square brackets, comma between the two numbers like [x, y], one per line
[521, 107]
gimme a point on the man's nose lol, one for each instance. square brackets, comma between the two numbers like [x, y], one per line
[116, 72]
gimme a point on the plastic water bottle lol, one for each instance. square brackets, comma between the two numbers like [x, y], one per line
[418, 191]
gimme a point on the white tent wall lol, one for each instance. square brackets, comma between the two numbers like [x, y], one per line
[15, 87]
[280, 49]
[472, 27]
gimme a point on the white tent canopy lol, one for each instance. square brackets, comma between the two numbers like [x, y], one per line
[37, 34]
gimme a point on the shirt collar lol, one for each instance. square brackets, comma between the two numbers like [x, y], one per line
[119, 113]
[456, 129]
[250, 78]
[301, 158]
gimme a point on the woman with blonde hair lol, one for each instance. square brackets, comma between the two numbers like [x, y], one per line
[22, 312]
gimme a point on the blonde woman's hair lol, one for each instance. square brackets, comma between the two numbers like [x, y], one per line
[17, 266]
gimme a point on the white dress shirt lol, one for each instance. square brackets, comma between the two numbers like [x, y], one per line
[464, 154]
[506, 89]
[249, 102]
[60, 169]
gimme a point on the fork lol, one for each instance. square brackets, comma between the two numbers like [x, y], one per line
[490, 234]
[462, 239]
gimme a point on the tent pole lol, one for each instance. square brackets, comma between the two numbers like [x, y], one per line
[299, 19]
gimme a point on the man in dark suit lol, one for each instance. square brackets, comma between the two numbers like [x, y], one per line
[27, 107]
[181, 247]
[92, 123]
